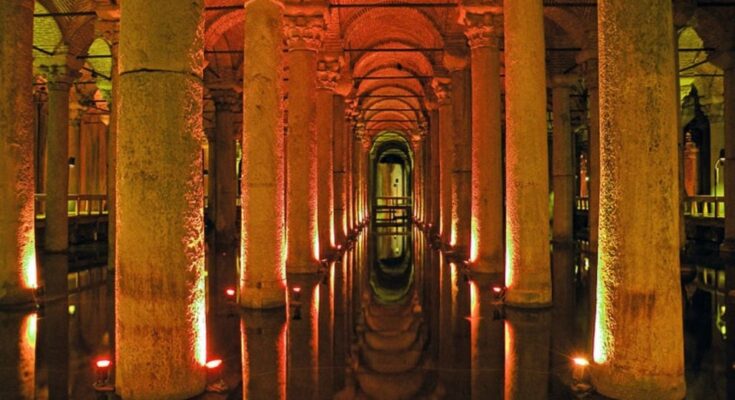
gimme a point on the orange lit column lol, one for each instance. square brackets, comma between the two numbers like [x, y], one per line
[327, 76]
[638, 344]
[483, 33]
[303, 29]
[442, 90]
[17, 217]
[339, 172]
[363, 141]
[418, 168]
[528, 269]
[358, 129]
[727, 62]
[160, 281]
[75, 125]
[588, 60]
[349, 162]
[434, 170]
[264, 345]
[562, 167]
[228, 103]
[263, 247]
[56, 235]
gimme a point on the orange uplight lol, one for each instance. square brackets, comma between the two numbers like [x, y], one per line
[103, 363]
[581, 361]
[296, 289]
[212, 364]
[497, 289]
[230, 292]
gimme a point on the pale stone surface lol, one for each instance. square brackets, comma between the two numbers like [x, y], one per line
[17, 237]
[160, 278]
[638, 345]
[263, 274]
[528, 271]
[562, 168]
[486, 250]
[56, 235]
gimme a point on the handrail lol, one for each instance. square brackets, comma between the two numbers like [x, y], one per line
[704, 206]
[77, 204]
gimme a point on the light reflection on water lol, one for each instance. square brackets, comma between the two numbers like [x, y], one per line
[391, 320]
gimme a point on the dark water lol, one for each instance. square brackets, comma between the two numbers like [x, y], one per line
[392, 319]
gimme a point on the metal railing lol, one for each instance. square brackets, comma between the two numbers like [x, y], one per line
[704, 206]
[78, 204]
[392, 211]
[582, 203]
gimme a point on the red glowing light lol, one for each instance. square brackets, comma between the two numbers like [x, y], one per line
[296, 289]
[104, 363]
[497, 289]
[212, 364]
[230, 292]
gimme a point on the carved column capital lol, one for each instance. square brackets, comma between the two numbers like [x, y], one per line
[227, 100]
[483, 27]
[443, 90]
[304, 31]
[328, 73]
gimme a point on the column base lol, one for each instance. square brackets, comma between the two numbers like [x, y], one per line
[263, 297]
[310, 267]
[486, 265]
[619, 383]
[528, 299]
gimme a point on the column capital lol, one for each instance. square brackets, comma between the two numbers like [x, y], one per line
[303, 28]
[227, 100]
[564, 81]
[328, 70]
[443, 90]
[483, 25]
[58, 76]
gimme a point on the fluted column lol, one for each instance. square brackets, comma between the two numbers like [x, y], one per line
[327, 77]
[484, 27]
[638, 344]
[263, 246]
[727, 63]
[528, 272]
[56, 235]
[562, 165]
[442, 89]
[17, 216]
[304, 33]
[160, 280]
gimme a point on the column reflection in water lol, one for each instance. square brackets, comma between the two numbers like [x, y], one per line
[486, 342]
[18, 355]
[527, 354]
[264, 340]
[222, 323]
[326, 329]
[564, 334]
[303, 336]
[52, 378]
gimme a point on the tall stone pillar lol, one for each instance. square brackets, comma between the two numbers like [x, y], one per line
[228, 103]
[304, 30]
[528, 269]
[263, 246]
[727, 62]
[56, 236]
[75, 125]
[435, 170]
[327, 77]
[339, 171]
[418, 170]
[442, 90]
[160, 280]
[588, 60]
[638, 343]
[17, 216]
[363, 175]
[562, 164]
[483, 30]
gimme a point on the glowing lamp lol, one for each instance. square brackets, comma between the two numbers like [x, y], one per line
[213, 364]
[580, 375]
[230, 292]
[102, 372]
[296, 289]
[498, 293]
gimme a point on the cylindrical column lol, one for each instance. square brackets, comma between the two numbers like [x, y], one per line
[75, 125]
[528, 272]
[17, 216]
[486, 247]
[160, 281]
[56, 235]
[303, 37]
[728, 66]
[327, 77]
[435, 166]
[339, 170]
[593, 100]
[442, 90]
[638, 343]
[228, 103]
[418, 170]
[562, 167]
[263, 272]
[461, 161]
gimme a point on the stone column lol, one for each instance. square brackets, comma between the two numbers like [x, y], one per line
[228, 103]
[327, 77]
[638, 344]
[435, 171]
[339, 171]
[418, 170]
[303, 30]
[56, 236]
[562, 167]
[461, 152]
[588, 60]
[727, 62]
[17, 216]
[483, 31]
[363, 176]
[160, 282]
[263, 246]
[443, 89]
[528, 272]
[75, 125]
